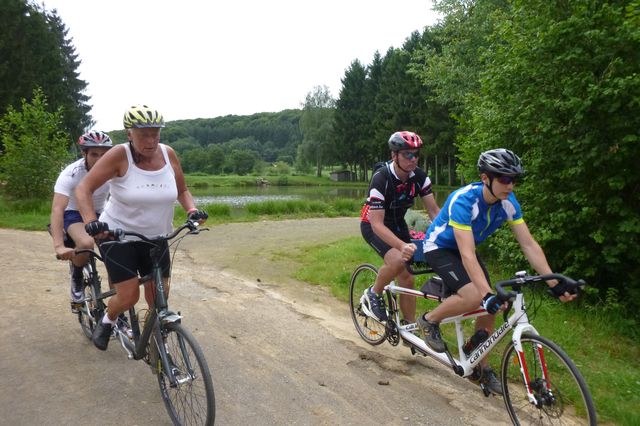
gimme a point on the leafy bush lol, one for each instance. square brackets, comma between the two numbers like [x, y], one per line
[35, 149]
[561, 87]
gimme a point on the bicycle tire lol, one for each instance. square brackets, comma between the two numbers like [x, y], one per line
[565, 401]
[86, 314]
[371, 331]
[191, 402]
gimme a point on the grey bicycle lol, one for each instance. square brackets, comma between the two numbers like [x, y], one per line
[159, 337]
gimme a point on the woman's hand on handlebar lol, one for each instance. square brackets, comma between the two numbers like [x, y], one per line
[199, 216]
[98, 230]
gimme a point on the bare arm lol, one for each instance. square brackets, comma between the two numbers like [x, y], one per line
[534, 254]
[430, 204]
[184, 195]
[467, 248]
[113, 163]
[376, 218]
[58, 205]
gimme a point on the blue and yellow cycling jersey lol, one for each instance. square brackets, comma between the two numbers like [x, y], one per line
[466, 209]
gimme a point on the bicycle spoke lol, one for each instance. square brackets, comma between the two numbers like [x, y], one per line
[369, 329]
[191, 400]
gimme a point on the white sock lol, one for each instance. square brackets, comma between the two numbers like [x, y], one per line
[106, 320]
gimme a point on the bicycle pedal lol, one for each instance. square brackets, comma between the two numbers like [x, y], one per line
[485, 390]
[75, 307]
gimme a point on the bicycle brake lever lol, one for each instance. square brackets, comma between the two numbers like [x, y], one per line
[197, 231]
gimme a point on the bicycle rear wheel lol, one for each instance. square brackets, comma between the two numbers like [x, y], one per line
[191, 401]
[369, 329]
[561, 394]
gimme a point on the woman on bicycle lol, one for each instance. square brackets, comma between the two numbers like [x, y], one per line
[468, 217]
[146, 180]
[65, 216]
[392, 190]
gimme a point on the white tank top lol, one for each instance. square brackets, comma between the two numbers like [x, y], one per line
[142, 200]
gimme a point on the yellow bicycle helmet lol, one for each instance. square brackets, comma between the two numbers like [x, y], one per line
[139, 116]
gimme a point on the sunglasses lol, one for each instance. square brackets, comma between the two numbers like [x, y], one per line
[409, 155]
[506, 180]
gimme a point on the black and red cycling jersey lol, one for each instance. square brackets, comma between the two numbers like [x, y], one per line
[388, 192]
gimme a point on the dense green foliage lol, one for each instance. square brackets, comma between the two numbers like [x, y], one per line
[35, 150]
[233, 144]
[316, 126]
[558, 83]
[35, 51]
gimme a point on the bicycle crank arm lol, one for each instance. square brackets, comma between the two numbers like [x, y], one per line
[125, 345]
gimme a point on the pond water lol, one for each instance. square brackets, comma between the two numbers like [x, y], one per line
[238, 197]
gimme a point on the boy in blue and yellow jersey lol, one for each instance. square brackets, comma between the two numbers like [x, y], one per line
[468, 217]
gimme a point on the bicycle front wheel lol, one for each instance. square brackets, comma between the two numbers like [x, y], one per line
[191, 400]
[88, 309]
[369, 329]
[560, 394]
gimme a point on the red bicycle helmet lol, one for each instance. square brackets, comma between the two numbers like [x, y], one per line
[404, 140]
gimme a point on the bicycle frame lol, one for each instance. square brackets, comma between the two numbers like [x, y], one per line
[463, 365]
[159, 313]
[136, 348]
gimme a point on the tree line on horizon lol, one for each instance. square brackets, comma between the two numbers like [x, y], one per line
[557, 82]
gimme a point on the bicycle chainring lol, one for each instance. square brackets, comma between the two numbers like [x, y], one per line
[393, 335]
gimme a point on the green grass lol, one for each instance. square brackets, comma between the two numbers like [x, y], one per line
[33, 215]
[605, 357]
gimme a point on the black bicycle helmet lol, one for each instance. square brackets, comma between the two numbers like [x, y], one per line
[404, 140]
[500, 161]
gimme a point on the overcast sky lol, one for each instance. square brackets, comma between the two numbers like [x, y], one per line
[208, 58]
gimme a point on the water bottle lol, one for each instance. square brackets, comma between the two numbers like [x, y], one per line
[475, 340]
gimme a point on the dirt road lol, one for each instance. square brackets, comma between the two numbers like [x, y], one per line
[281, 352]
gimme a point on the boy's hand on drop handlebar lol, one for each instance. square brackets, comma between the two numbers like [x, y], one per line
[407, 251]
[493, 303]
[563, 291]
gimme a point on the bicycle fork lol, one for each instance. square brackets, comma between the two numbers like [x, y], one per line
[539, 393]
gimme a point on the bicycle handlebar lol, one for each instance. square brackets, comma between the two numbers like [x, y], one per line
[522, 279]
[119, 234]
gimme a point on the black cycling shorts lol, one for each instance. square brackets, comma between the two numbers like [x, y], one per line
[376, 242]
[126, 261]
[448, 265]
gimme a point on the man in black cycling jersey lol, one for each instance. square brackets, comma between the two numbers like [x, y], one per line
[392, 190]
